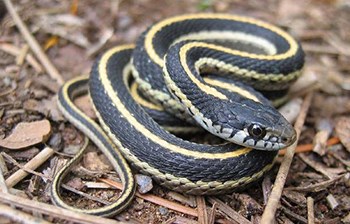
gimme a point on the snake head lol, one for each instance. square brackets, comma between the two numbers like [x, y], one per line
[251, 124]
[263, 128]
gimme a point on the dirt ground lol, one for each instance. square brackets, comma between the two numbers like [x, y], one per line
[73, 33]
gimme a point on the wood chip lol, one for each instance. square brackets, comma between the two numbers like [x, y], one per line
[324, 128]
[182, 199]
[342, 128]
[27, 134]
[310, 211]
[332, 202]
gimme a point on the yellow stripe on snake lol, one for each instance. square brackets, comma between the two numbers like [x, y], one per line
[206, 69]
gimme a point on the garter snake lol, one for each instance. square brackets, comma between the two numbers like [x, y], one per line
[173, 62]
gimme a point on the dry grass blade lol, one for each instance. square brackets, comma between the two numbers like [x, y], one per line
[271, 207]
[31, 165]
[51, 210]
[19, 216]
[202, 210]
[34, 45]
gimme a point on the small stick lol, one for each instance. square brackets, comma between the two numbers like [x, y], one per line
[33, 43]
[315, 187]
[310, 211]
[3, 186]
[34, 163]
[330, 173]
[19, 216]
[202, 210]
[212, 213]
[51, 210]
[22, 55]
[309, 147]
[271, 207]
[15, 51]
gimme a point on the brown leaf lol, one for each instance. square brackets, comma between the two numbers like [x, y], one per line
[46, 107]
[342, 128]
[27, 134]
[84, 104]
[92, 161]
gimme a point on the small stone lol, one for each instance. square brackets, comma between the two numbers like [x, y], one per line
[163, 211]
[72, 149]
[144, 183]
[138, 207]
[55, 141]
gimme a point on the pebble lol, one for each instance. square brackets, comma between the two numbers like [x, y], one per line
[144, 183]
[163, 211]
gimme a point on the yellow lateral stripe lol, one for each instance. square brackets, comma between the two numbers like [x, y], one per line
[140, 100]
[125, 177]
[152, 32]
[142, 129]
[232, 88]
[234, 36]
[205, 88]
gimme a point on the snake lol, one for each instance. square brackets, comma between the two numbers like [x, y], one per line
[213, 71]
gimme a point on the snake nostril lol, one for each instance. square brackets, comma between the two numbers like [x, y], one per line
[284, 139]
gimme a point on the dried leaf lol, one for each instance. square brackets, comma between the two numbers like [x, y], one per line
[92, 161]
[342, 128]
[84, 104]
[46, 107]
[27, 134]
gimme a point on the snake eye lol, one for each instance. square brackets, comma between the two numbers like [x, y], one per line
[256, 131]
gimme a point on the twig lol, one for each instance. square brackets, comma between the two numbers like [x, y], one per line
[104, 202]
[202, 210]
[271, 207]
[15, 51]
[227, 210]
[22, 55]
[27, 170]
[310, 211]
[51, 210]
[212, 213]
[157, 200]
[33, 43]
[293, 215]
[266, 188]
[315, 187]
[3, 186]
[19, 216]
[309, 147]
[330, 173]
[34, 163]
[180, 219]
